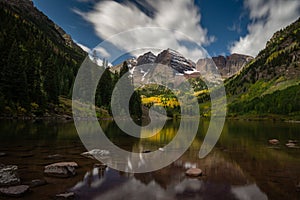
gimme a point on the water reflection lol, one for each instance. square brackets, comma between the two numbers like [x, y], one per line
[168, 183]
[223, 177]
[242, 165]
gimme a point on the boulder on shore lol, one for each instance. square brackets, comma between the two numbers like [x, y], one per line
[8, 175]
[14, 191]
[194, 172]
[61, 169]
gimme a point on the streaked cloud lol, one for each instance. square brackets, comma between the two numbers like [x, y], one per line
[110, 18]
[267, 17]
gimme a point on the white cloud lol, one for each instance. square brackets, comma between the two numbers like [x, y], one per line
[110, 18]
[266, 17]
[103, 52]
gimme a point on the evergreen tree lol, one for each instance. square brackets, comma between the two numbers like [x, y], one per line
[104, 89]
[135, 103]
[51, 81]
[14, 80]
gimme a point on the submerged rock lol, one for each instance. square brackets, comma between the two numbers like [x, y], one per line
[61, 169]
[69, 195]
[2, 154]
[55, 156]
[37, 183]
[8, 175]
[194, 172]
[298, 187]
[274, 141]
[96, 153]
[14, 191]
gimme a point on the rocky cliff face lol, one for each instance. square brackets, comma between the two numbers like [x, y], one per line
[229, 65]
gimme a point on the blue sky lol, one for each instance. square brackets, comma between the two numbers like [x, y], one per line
[221, 27]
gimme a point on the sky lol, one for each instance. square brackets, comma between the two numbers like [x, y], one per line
[195, 28]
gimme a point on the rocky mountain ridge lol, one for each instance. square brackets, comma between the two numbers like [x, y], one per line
[225, 66]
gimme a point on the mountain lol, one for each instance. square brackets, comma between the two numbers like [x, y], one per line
[227, 66]
[147, 58]
[270, 83]
[230, 65]
[175, 60]
[38, 61]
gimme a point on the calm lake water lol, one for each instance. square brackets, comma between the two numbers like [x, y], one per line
[241, 166]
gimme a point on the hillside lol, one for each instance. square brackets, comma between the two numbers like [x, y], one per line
[38, 60]
[270, 84]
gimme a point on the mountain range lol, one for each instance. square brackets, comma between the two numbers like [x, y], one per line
[226, 66]
[39, 63]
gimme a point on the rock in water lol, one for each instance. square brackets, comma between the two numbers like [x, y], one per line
[2, 154]
[14, 191]
[96, 153]
[298, 187]
[291, 145]
[69, 195]
[61, 169]
[55, 156]
[37, 183]
[274, 141]
[194, 172]
[8, 175]
[293, 141]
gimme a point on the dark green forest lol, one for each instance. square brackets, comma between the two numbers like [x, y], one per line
[36, 68]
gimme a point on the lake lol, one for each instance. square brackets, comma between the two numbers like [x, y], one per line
[243, 165]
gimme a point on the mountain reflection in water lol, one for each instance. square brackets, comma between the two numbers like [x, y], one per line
[170, 183]
[241, 166]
